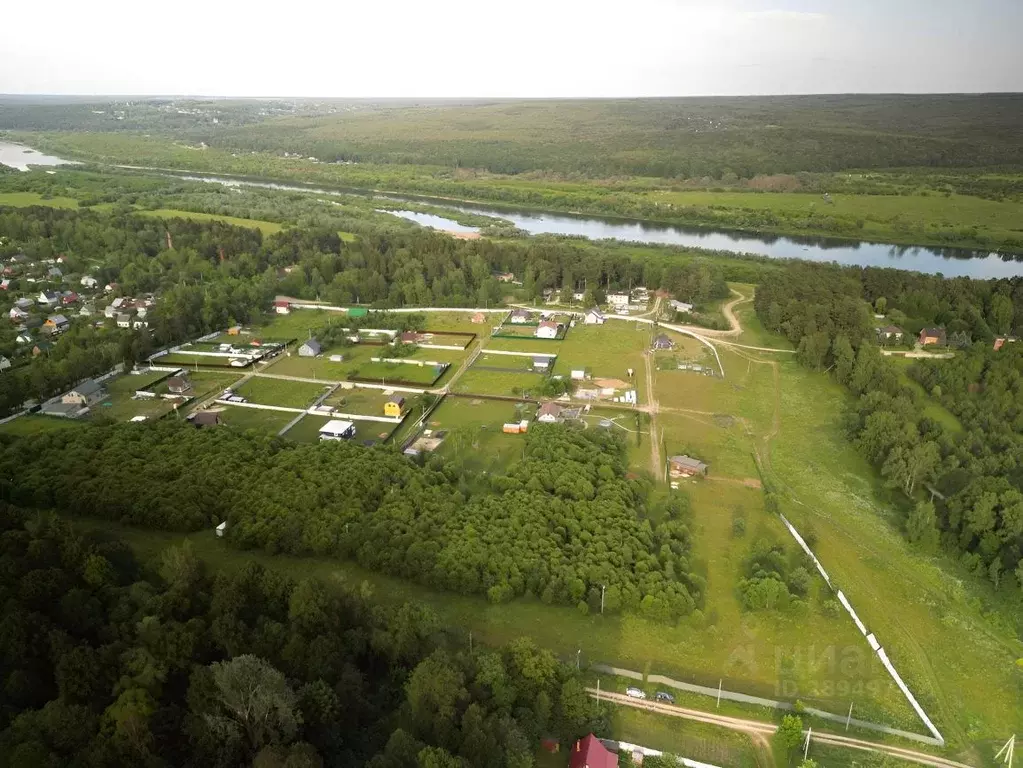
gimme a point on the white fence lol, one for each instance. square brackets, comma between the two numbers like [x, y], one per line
[875, 645]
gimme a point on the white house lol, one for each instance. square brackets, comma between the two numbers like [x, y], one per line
[86, 393]
[4, 363]
[519, 316]
[282, 306]
[618, 300]
[548, 413]
[49, 297]
[310, 349]
[594, 317]
[124, 320]
[89, 281]
[17, 313]
[335, 429]
[680, 306]
[547, 330]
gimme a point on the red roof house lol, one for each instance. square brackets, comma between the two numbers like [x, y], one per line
[588, 752]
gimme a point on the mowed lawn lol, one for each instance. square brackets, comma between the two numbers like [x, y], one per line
[607, 351]
[120, 404]
[266, 227]
[507, 383]
[254, 418]
[287, 394]
[34, 423]
[24, 199]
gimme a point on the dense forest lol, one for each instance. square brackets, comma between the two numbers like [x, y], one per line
[109, 662]
[560, 524]
[974, 477]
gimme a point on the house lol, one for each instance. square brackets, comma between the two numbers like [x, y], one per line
[310, 348]
[335, 429]
[519, 316]
[4, 363]
[55, 273]
[85, 394]
[410, 337]
[587, 393]
[86, 310]
[41, 348]
[541, 364]
[69, 297]
[123, 320]
[282, 306]
[49, 297]
[589, 752]
[680, 306]
[178, 385]
[594, 317]
[111, 287]
[234, 330]
[17, 313]
[547, 330]
[394, 407]
[685, 466]
[24, 338]
[929, 336]
[142, 311]
[5, 284]
[505, 277]
[1001, 341]
[661, 341]
[618, 300]
[88, 281]
[56, 324]
[24, 303]
[201, 419]
[110, 311]
[891, 332]
[221, 529]
[478, 317]
[578, 375]
[549, 413]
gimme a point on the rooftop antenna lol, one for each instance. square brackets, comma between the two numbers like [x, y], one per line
[1007, 750]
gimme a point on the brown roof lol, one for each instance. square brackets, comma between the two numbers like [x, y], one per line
[549, 409]
[205, 418]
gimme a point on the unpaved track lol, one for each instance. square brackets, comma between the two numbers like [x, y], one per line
[759, 731]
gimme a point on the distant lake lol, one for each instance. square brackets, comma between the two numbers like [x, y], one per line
[21, 157]
[950, 262]
[431, 220]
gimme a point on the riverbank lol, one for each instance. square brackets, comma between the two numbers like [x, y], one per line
[931, 218]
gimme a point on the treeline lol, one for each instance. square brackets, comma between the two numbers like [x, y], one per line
[562, 524]
[823, 311]
[109, 662]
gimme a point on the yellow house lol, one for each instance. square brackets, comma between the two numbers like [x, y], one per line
[393, 407]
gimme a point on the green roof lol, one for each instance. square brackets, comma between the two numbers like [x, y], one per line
[358, 312]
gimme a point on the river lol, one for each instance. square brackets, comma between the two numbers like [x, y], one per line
[21, 157]
[950, 262]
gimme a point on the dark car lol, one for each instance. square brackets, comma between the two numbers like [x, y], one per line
[664, 696]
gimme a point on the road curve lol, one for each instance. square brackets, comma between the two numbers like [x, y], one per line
[756, 728]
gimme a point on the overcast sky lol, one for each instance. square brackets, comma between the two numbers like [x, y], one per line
[506, 48]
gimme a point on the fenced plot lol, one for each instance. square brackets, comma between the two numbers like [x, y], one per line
[308, 430]
[192, 362]
[399, 374]
[254, 418]
[121, 404]
[288, 394]
[370, 401]
[505, 383]
[473, 433]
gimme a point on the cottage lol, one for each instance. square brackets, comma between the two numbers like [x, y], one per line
[5, 284]
[201, 419]
[594, 317]
[17, 314]
[234, 330]
[221, 529]
[1001, 341]
[69, 297]
[41, 348]
[891, 332]
[549, 413]
[394, 407]
[24, 303]
[56, 324]
[547, 330]
[49, 297]
[4, 363]
[541, 364]
[478, 318]
[86, 310]
[519, 316]
[23, 338]
[88, 281]
[505, 277]
[310, 348]
[178, 385]
[589, 752]
[661, 341]
[930, 336]
[618, 300]
[686, 466]
[680, 306]
[85, 394]
[123, 320]
[335, 429]
[282, 306]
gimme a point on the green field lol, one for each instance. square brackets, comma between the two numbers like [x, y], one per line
[507, 383]
[253, 418]
[475, 439]
[34, 423]
[384, 373]
[120, 405]
[287, 394]
[266, 227]
[22, 199]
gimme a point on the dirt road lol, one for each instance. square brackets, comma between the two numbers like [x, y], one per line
[760, 731]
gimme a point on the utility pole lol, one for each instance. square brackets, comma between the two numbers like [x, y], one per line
[848, 718]
[470, 642]
[602, 588]
[577, 655]
[1008, 750]
[806, 746]
[719, 694]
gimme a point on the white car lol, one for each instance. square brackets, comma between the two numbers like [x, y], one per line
[636, 693]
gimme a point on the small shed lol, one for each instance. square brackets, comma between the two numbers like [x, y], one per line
[686, 466]
[221, 529]
[578, 375]
[661, 341]
[394, 407]
[358, 312]
[310, 348]
[336, 429]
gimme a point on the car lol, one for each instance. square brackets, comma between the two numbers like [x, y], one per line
[636, 693]
[664, 696]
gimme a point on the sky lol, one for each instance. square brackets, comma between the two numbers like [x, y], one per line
[510, 48]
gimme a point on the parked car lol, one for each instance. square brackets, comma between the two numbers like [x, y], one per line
[664, 696]
[636, 693]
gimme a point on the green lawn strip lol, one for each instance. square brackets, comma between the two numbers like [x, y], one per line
[322, 367]
[191, 362]
[280, 392]
[23, 199]
[924, 615]
[397, 373]
[685, 738]
[507, 383]
[254, 418]
[266, 227]
[33, 424]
